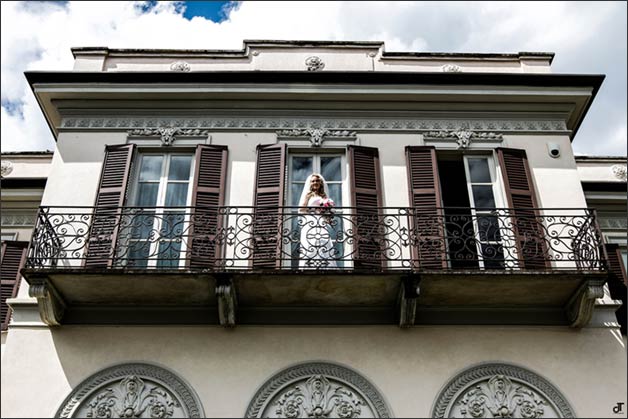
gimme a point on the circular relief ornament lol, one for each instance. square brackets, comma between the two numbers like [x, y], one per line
[314, 63]
[132, 391]
[6, 168]
[620, 172]
[500, 391]
[318, 390]
[180, 66]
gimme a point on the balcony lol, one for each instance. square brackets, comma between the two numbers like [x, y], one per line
[265, 265]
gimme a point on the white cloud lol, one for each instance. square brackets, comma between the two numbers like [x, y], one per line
[588, 37]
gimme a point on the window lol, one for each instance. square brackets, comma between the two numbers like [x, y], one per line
[158, 217]
[471, 196]
[331, 167]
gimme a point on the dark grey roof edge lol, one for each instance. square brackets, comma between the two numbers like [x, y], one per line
[28, 153]
[589, 157]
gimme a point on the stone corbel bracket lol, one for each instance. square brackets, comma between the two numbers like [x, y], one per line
[316, 136]
[407, 301]
[169, 135]
[51, 305]
[462, 138]
[227, 301]
[579, 309]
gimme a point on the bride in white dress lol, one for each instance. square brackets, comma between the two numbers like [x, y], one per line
[317, 248]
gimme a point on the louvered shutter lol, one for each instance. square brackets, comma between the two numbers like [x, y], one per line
[13, 258]
[111, 194]
[269, 199]
[530, 240]
[428, 250]
[208, 195]
[366, 198]
[617, 282]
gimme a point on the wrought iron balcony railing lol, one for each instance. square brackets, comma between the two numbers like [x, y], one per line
[373, 239]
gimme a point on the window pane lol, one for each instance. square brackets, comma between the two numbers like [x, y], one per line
[297, 189]
[176, 194]
[141, 226]
[489, 228]
[180, 167]
[172, 225]
[483, 196]
[138, 254]
[169, 252]
[478, 170]
[301, 167]
[330, 168]
[493, 256]
[151, 167]
[147, 195]
[335, 193]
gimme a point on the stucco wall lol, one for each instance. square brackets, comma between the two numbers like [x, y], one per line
[76, 166]
[226, 367]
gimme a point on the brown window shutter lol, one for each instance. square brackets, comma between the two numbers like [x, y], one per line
[13, 258]
[109, 200]
[269, 199]
[530, 241]
[207, 196]
[367, 200]
[428, 250]
[617, 281]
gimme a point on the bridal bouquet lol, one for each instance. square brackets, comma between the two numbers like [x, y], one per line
[327, 204]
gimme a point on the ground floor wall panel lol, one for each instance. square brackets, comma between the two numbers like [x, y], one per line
[226, 368]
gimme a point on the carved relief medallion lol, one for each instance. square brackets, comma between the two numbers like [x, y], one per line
[500, 391]
[314, 63]
[317, 390]
[132, 391]
[7, 168]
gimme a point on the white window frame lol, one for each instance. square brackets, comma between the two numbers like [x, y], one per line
[161, 199]
[498, 197]
[316, 168]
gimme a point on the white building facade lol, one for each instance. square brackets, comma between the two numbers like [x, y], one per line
[168, 276]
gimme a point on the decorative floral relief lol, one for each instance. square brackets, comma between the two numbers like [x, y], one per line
[317, 390]
[464, 137]
[131, 398]
[180, 66]
[316, 134]
[500, 391]
[620, 172]
[314, 63]
[132, 391]
[500, 398]
[6, 168]
[451, 68]
[168, 135]
[318, 398]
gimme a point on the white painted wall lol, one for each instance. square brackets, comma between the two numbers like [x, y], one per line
[226, 367]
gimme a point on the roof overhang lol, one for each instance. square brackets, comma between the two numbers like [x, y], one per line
[569, 95]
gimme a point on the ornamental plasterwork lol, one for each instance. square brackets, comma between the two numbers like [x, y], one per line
[500, 391]
[317, 135]
[332, 124]
[180, 66]
[168, 135]
[620, 172]
[463, 138]
[317, 390]
[451, 68]
[6, 168]
[132, 391]
[314, 63]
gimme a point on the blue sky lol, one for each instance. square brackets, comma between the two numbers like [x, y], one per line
[587, 37]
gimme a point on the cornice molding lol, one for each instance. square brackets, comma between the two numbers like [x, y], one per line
[405, 124]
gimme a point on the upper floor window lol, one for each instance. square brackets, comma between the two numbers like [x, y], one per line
[161, 192]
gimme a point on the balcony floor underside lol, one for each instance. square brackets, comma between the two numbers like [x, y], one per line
[110, 296]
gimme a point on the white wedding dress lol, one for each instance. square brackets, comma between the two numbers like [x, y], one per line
[317, 248]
